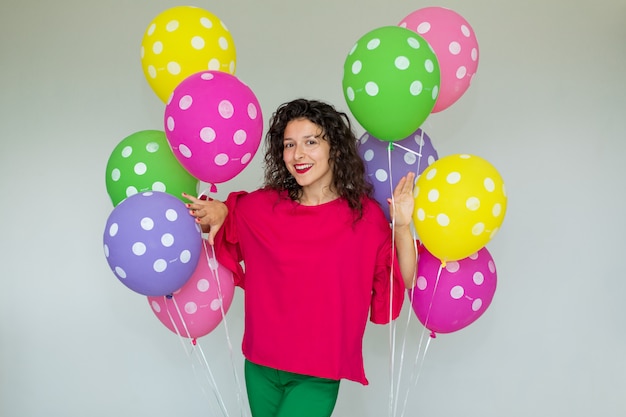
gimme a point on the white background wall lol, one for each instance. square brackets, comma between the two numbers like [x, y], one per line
[547, 109]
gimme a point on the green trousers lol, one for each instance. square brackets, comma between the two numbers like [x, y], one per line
[274, 393]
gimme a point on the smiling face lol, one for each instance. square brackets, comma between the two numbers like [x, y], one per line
[306, 155]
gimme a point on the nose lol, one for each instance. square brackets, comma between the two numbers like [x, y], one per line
[298, 152]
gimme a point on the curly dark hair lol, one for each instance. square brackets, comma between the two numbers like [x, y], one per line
[349, 179]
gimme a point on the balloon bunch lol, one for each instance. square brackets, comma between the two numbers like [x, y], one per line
[394, 77]
[212, 127]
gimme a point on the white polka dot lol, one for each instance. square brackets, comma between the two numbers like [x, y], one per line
[433, 195]
[223, 43]
[350, 94]
[246, 158]
[478, 229]
[373, 44]
[353, 49]
[139, 248]
[431, 173]
[443, 220]
[371, 88]
[206, 22]
[159, 186]
[147, 223]
[185, 102]
[115, 174]
[493, 232]
[119, 271]
[240, 137]
[171, 215]
[156, 306]
[106, 250]
[172, 25]
[226, 109]
[381, 175]
[435, 92]
[173, 68]
[170, 123]
[159, 265]
[207, 76]
[157, 47]
[489, 185]
[453, 178]
[416, 88]
[151, 29]
[452, 266]
[207, 134]
[465, 31]
[402, 63]
[184, 151]
[140, 168]
[191, 307]
[478, 278]
[214, 64]
[127, 151]
[421, 283]
[410, 158]
[203, 285]
[472, 204]
[429, 66]
[368, 155]
[113, 229]
[477, 304]
[216, 304]
[473, 256]
[253, 112]
[421, 214]
[197, 42]
[152, 72]
[454, 48]
[413, 42]
[423, 27]
[465, 156]
[185, 256]
[357, 66]
[496, 210]
[474, 54]
[461, 72]
[457, 292]
[131, 190]
[221, 159]
[152, 147]
[492, 266]
[167, 240]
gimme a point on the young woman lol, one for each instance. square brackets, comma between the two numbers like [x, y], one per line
[318, 258]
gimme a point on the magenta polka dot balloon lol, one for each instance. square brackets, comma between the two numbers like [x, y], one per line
[214, 124]
[454, 42]
[454, 298]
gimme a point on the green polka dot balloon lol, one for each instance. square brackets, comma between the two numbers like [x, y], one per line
[391, 81]
[142, 162]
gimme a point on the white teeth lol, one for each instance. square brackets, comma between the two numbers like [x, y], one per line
[304, 166]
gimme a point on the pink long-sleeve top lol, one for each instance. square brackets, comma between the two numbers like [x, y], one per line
[312, 276]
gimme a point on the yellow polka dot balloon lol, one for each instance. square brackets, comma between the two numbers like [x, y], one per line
[460, 203]
[182, 41]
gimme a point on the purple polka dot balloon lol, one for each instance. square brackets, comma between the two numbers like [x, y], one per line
[151, 243]
[411, 154]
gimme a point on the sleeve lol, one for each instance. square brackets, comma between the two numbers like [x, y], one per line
[227, 248]
[388, 288]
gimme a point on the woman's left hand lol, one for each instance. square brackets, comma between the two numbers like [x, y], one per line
[401, 206]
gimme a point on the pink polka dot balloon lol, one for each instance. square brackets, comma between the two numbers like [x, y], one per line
[199, 302]
[454, 42]
[453, 299]
[213, 122]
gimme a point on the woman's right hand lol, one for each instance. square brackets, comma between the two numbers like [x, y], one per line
[210, 214]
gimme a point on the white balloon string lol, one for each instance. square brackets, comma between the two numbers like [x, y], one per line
[397, 145]
[215, 272]
[419, 363]
[404, 340]
[392, 329]
[197, 349]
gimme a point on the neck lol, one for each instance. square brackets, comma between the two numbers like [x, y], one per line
[311, 198]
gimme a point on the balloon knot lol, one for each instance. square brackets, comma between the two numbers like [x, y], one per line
[391, 146]
[169, 296]
[213, 188]
[433, 335]
[193, 341]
